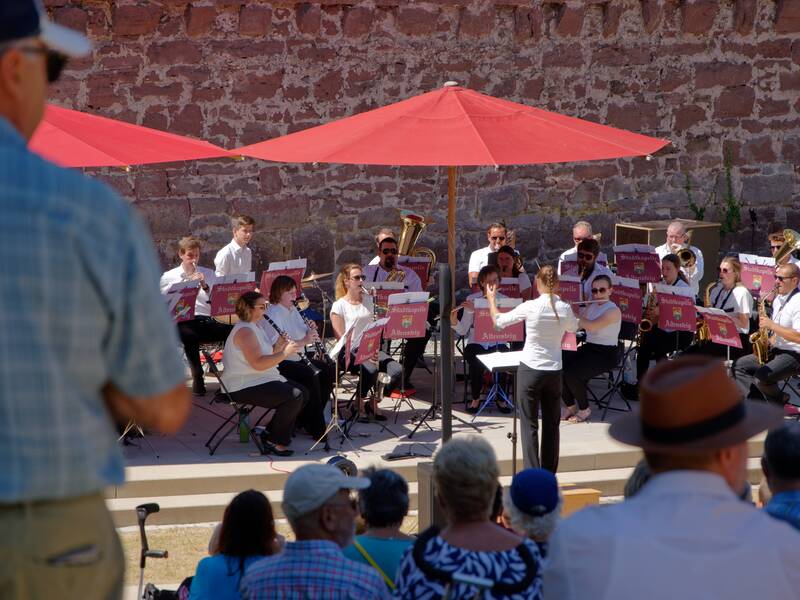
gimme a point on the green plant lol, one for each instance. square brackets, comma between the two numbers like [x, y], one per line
[699, 212]
[731, 209]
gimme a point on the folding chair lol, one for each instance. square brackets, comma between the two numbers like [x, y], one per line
[242, 411]
[615, 376]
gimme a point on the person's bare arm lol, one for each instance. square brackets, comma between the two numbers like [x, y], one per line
[337, 322]
[607, 318]
[248, 343]
[163, 412]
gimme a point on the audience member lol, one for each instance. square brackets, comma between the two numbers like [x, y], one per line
[85, 332]
[686, 534]
[383, 506]
[781, 464]
[472, 556]
[533, 505]
[246, 534]
[317, 503]
[641, 475]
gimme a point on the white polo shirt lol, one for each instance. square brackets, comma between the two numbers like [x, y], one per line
[697, 275]
[786, 313]
[479, 259]
[177, 275]
[233, 259]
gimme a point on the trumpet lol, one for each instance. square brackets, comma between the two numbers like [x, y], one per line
[685, 253]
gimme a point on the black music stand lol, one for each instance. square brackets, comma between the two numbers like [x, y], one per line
[507, 362]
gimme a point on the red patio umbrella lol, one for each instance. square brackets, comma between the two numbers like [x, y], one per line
[72, 138]
[454, 126]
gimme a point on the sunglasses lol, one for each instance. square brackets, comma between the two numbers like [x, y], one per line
[359, 277]
[724, 270]
[387, 251]
[496, 238]
[585, 256]
[54, 61]
[782, 278]
[775, 247]
[261, 306]
[599, 290]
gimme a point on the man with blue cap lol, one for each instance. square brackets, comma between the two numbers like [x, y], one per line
[533, 504]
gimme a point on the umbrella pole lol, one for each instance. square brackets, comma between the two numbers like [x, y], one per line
[451, 226]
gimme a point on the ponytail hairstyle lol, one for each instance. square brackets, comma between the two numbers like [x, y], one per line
[344, 273]
[548, 277]
[673, 258]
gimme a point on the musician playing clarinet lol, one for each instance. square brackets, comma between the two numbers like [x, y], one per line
[202, 329]
[320, 379]
[353, 309]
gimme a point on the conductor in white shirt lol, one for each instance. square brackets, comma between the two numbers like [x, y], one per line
[202, 329]
[496, 234]
[687, 533]
[677, 239]
[236, 258]
[539, 374]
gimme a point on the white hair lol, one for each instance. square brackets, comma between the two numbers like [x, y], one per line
[677, 225]
[535, 528]
[583, 225]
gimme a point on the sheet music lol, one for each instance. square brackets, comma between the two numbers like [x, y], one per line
[181, 285]
[499, 302]
[501, 360]
[297, 263]
[624, 281]
[645, 248]
[757, 260]
[238, 278]
[409, 298]
[662, 288]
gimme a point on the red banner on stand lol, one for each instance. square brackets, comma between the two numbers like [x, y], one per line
[644, 266]
[420, 267]
[758, 277]
[722, 330]
[406, 321]
[676, 313]
[225, 295]
[509, 287]
[182, 303]
[485, 332]
[569, 290]
[569, 342]
[370, 343]
[267, 277]
[569, 267]
[629, 301]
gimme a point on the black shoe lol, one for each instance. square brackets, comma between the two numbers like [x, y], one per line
[199, 388]
[503, 407]
[268, 447]
[629, 391]
[472, 409]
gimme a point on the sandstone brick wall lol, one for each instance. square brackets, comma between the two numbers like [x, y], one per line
[711, 75]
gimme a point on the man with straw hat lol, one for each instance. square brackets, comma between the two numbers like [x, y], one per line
[687, 533]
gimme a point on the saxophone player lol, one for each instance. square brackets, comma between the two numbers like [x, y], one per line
[784, 352]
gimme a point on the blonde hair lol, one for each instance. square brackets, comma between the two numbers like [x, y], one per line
[239, 221]
[548, 277]
[344, 273]
[733, 261]
[187, 243]
[465, 474]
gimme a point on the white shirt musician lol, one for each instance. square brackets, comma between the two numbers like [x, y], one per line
[602, 320]
[202, 329]
[383, 233]
[677, 238]
[582, 230]
[539, 382]
[236, 258]
[388, 269]
[496, 234]
[508, 263]
[588, 267]
[731, 296]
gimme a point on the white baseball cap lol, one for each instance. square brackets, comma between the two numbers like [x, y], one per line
[311, 486]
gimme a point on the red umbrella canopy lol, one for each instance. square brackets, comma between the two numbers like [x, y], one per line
[72, 138]
[457, 127]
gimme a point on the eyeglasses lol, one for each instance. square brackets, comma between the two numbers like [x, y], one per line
[261, 306]
[54, 61]
[783, 278]
[599, 290]
[387, 251]
[496, 238]
[585, 256]
[359, 277]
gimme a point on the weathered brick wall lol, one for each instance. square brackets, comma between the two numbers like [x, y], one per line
[711, 75]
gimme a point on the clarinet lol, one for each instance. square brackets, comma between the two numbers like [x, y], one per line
[319, 348]
[284, 335]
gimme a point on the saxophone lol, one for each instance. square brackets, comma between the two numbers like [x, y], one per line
[702, 334]
[760, 339]
[646, 324]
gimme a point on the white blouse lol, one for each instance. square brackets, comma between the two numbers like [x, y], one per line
[736, 300]
[355, 316]
[608, 335]
[240, 374]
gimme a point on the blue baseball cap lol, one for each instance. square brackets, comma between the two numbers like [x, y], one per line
[534, 492]
[20, 19]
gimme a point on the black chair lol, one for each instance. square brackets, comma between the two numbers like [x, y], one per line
[615, 377]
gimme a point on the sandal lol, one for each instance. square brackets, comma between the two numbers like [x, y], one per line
[567, 412]
[581, 416]
[503, 406]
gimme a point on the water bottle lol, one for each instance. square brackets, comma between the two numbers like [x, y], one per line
[244, 426]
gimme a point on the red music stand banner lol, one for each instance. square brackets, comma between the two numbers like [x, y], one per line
[384, 289]
[569, 341]
[421, 265]
[182, 303]
[758, 272]
[291, 268]
[627, 295]
[370, 342]
[407, 316]
[509, 287]
[485, 332]
[569, 267]
[637, 261]
[676, 313]
[569, 288]
[721, 328]
[225, 295]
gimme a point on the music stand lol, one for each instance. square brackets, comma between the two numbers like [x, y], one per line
[506, 362]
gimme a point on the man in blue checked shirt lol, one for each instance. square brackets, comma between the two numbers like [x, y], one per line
[317, 502]
[781, 464]
[84, 334]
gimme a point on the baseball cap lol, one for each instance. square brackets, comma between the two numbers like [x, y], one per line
[534, 492]
[311, 486]
[21, 19]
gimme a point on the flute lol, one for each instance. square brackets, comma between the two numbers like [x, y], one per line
[319, 347]
[284, 335]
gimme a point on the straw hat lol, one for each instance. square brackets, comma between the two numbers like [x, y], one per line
[691, 405]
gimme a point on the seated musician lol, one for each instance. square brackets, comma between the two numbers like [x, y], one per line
[318, 378]
[509, 264]
[236, 258]
[488, 275]
[582, 230]
[776, 241]
[658, 343]
[602, 321]
[497, 235]
[388, 270]
[383, 233]
[588, 267]
[202, 329]
[251, 374]
[730, 295]
[783, 359]
[677, 239]
[353, 310]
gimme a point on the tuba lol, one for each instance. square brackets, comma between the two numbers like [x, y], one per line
[791, 243]
[411, 228]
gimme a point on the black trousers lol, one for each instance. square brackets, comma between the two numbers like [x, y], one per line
[414, 348]
[781, 365]
[657, 344]
[319, 386]
[368, 372]
[590, 360]
[709, 348]
[200, 330]
[476, 367]
[286, 397]
[537, 388]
